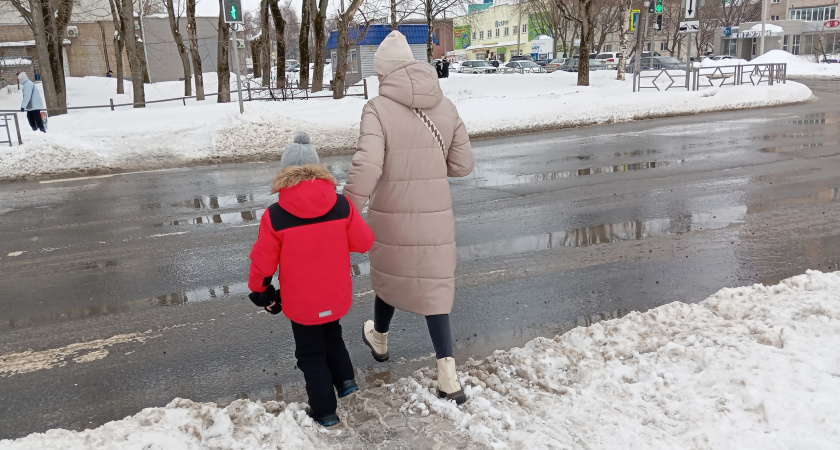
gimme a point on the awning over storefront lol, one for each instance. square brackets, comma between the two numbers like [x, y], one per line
[496, 45]
[755, 31]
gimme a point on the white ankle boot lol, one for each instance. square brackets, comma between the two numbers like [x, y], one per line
[378, 342]
[450, 387]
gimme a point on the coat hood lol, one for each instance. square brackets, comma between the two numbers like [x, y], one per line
[305, 191]
[413, 84]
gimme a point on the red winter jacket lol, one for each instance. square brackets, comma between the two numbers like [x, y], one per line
[309, 233]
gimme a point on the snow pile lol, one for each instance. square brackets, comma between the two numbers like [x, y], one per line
[170, 134]
[750, 367]
[799, 67]
[768, 27]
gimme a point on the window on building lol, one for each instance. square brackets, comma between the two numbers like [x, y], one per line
[353, 66]
[819, 13]
[524, 29]
[515, 29]
[475, 35]
[507, 29]
[794, 44]
[489, 34]
[497, 32]
[774, 17]
[663, 46]
[481, 35]
[777, 1]
[608, 48]
[436, 37]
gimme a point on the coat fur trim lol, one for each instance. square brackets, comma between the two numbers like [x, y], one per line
[294, 175]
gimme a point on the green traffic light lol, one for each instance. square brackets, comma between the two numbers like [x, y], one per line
[233, 12]
[659, 8]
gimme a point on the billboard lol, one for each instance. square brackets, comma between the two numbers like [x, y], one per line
[462, 37]
[538, 24]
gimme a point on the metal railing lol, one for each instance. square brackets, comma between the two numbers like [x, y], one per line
[4, 123]
[697, 77]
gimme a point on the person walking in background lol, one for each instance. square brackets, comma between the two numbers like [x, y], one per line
[309, 233]
[445, 68]
[32, 103]
[412, 138]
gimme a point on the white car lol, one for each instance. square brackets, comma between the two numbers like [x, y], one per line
[610, 59]
[524, 67]
[476, 66]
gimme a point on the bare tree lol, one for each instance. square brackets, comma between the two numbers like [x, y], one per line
[175, 27]
[118, 45]
[303, 42]
[192, 32]
[265, 49]
[223, 57]
[433, 9]
[623, 48]
[319, 19]
[48, 19]
[610, 21]
[280, 39]
[345, 18]
[126, 9]
[584, 14]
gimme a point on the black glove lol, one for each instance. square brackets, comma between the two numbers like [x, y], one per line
[266, 298]
[23, 110]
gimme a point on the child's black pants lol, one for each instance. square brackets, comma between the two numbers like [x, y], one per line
[324, 361]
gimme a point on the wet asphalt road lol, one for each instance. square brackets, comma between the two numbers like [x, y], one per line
[126, 291]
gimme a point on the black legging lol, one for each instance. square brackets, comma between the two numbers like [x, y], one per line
[438, 327]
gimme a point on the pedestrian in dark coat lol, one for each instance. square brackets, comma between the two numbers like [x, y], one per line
[309, 233]
[445, 68]
[439, 69]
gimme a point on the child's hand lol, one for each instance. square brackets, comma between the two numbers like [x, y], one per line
[266, 298]
[275, 307]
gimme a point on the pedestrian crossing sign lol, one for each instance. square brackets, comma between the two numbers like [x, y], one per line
[233, 11]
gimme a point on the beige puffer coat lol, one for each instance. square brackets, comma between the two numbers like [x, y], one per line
[400, 167]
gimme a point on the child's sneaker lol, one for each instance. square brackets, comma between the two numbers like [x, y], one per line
[346, 388]
[325, 421]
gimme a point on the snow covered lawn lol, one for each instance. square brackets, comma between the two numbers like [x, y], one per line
[171, 135]
[754, 367]
[798, 67]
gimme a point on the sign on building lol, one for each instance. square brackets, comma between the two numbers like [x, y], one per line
[462, 37]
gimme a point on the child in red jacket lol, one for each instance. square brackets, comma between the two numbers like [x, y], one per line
[309, 233]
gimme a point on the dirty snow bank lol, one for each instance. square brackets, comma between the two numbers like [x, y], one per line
[171, 135]
[750, 367]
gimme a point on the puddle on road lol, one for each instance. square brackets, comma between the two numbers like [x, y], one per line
[228, 218]
[816, 119]
[214, 201]
[793, 148]
[489, 178]
[603, 234]
[633, 153]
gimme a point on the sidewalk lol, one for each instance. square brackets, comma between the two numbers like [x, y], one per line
[171, 135]
[751, 367]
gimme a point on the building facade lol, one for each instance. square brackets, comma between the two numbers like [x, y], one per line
[800, 27]
[500, 30]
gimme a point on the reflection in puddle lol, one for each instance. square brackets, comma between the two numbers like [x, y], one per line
[234, 217]
[793, 148]
[488, 178]
[603, 234]
[215, 201]
[816, 119]
[380, 377]
[199, 295]
[616, 155]
[824, 196]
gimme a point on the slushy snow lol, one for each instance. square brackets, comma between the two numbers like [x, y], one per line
[750, 367]
[167, 135]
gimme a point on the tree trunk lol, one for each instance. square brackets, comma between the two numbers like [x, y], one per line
[256, 57]
[223, 58]
[341, 58]
[196, 56]
[587, 37]
[265, 56]
[394, 23]
[303, 42]
[127, 13]
[280, 33]
[429, 24]
[119, 26]
[64, 10]
[41, 12]
[320, 46]
[622, 34]
[175, 26]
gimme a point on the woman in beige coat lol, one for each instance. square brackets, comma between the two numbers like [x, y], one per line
[401, 164]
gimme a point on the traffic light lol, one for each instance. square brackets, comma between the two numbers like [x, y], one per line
[651, 6]
[659, 6]
[233, 11]
[659, 21]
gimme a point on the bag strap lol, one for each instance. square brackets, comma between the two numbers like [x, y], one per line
[427, 122]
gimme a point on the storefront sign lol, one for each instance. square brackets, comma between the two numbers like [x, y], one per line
[501, 23]
[832, 23]
[749, 34]
[462, 37]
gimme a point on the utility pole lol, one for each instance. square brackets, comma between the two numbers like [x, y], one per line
[763, 24]
[143, 36]
[640, 44]
[519, 31]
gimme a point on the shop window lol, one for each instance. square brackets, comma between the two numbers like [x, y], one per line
[507, 29]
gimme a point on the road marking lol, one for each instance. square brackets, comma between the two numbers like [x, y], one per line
[16, 253]
[168, 234]
[80, 352]
[95, 177]
[243, 226]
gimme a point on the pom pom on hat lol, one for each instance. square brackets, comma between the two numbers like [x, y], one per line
[299, 153]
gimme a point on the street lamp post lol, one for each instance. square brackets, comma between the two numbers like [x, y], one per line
[763, 24]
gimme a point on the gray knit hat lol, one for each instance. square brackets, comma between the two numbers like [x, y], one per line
[299, 153]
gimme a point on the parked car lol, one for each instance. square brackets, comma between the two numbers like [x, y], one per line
[720, 57]
[657, 63]
[571, 65]
[610, 59]
[555, 64]
[831, 60]
[476, 66]
[522, 58]
[292, 65]
[524, 67]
